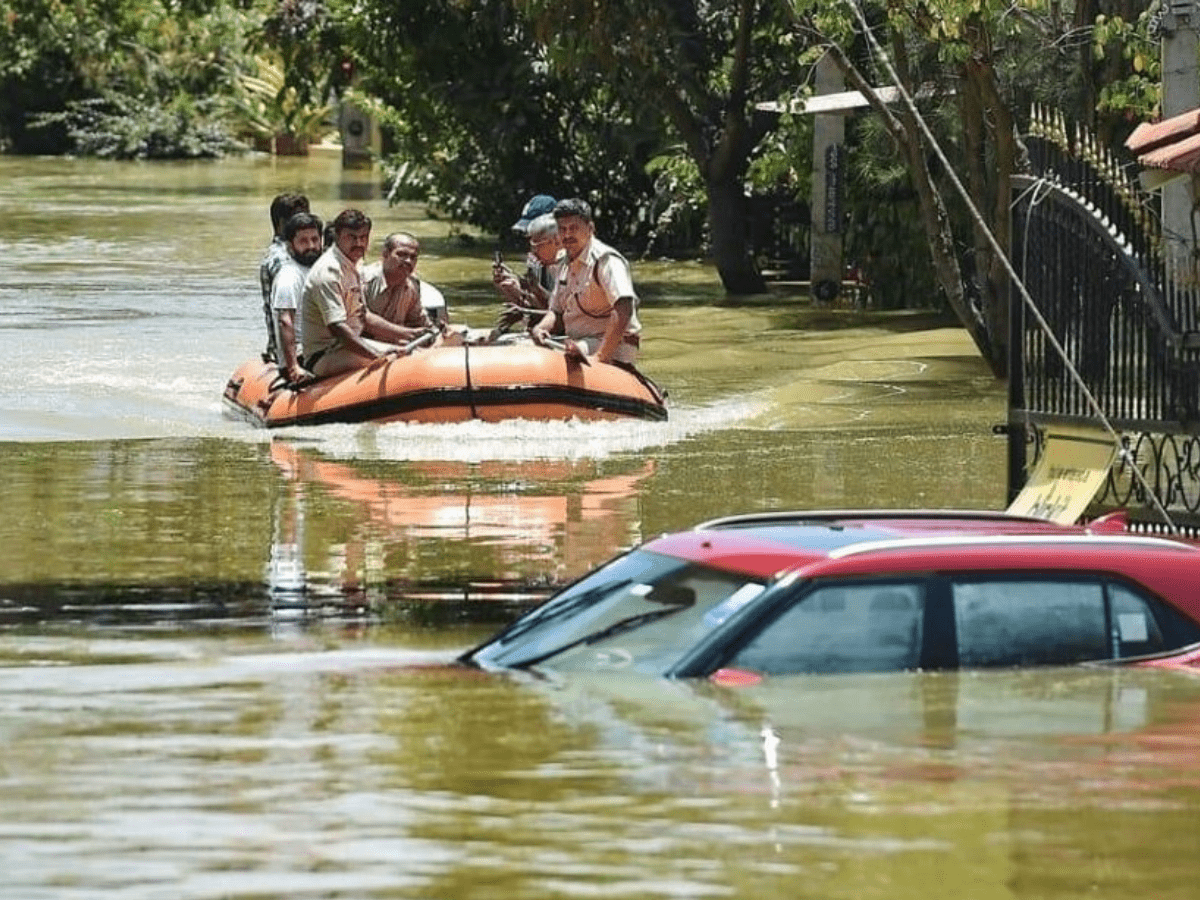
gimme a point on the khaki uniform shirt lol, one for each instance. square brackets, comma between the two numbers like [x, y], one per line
[400, 304]
[587, 289]
[332, 293]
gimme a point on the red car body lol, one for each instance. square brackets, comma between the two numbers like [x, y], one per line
[929, 576]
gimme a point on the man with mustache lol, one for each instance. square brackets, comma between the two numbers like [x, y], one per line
[337, 327]
[593, 303]
[393, 291]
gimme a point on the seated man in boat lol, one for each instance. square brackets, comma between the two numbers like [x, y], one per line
[394, 292]
[283, 207]
[593, 302]
[339, 332]
[529, 294]
[302, 237]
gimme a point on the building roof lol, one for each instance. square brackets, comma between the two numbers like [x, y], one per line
[1172, 144]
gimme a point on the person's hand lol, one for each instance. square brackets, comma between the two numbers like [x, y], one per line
[510, 315]
[298, 377]
[510, 290]
[575, 352]
[539, 335]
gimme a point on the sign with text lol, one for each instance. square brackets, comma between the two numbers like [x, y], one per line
[835, 164]
[1071, 471]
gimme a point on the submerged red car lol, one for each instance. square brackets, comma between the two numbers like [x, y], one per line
[868, 591]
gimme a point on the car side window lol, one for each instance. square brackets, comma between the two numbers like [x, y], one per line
[1060, 621]
[1135, 631]
[1145, 625]
[1029, 622]
[860, 627]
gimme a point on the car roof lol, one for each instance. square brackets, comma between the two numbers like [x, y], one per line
[863, 542]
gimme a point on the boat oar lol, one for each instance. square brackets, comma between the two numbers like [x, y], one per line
[427, 338]
[416, 343]
[571, 350]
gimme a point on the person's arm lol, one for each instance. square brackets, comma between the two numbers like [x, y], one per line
[287, 334]
[613, 276]
[354, 344]
[507, 283]
[542, 330]
[533, 294]
[287, 292]
[382, 330]
[618, 321]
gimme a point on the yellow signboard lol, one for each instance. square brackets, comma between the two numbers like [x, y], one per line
[1070, 472]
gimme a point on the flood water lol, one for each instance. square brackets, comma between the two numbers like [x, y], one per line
[226, 655]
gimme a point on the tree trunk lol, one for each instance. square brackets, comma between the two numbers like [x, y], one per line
[934, 216]
[729, 237]
[1009, 152]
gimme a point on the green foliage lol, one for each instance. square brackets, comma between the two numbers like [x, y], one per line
[885, 238]
[122, 127]
[479, 123]
[782, 161]
[306, 39]
[700, 67]
[266, 107]
[1137, 92]
[678, 209]
[122, 56]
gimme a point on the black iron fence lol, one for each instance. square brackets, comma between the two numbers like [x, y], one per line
[1126, 314]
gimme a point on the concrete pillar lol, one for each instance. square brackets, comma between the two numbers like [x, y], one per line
[1180, 93]
[828, 176]
[361, 142]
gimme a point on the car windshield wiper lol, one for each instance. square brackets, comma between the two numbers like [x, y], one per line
[582, 601]
[627, 624]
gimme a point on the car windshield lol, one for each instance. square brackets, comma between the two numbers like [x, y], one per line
[641, 611]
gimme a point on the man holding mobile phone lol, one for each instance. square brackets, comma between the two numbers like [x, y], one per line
[529, 294]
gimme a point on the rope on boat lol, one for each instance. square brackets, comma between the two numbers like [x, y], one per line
[470, 386]
[1122, 451]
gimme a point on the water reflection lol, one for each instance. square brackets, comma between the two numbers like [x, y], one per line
[445, 531]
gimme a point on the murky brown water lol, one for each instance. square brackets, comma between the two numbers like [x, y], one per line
[223, 655]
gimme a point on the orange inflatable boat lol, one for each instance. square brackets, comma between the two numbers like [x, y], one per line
[449, 384]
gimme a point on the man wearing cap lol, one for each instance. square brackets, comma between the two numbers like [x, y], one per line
[529, 294]
[538, 279]
[538, 205]
[593, 301]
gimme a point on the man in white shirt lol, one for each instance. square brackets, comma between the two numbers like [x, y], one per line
[302, 238]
